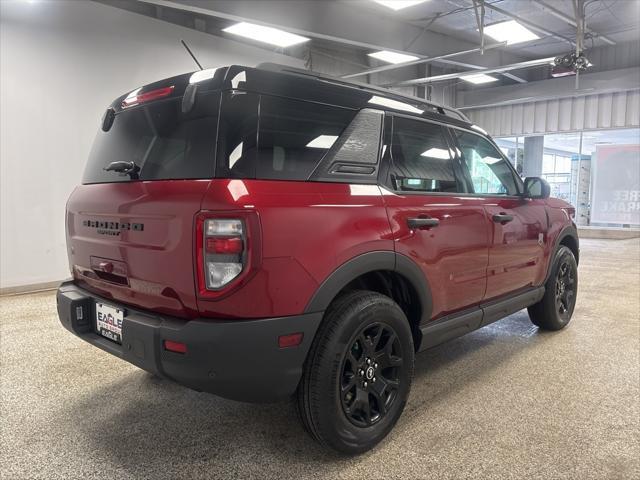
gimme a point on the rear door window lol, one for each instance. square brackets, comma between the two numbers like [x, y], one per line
[162, 141]
[422, 160]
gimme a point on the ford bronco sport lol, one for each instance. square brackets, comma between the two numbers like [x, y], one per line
[265, 232]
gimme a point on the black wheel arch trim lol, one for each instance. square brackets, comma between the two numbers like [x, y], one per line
[371, 262]
[568, 231]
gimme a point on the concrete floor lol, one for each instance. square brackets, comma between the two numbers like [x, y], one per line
[507, 401]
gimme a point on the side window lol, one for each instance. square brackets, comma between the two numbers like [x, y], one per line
[488, 169]
[422, 159]
[294, 136]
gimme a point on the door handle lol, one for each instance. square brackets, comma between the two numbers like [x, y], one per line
[420, 223]
[502, 218]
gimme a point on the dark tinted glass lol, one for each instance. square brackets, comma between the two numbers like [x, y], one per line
[162, 141]
[489, 171]
[237, 136]
[421, 158]
[295, 135]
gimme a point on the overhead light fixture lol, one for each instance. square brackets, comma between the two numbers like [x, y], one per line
[490, 160]
[202, 75]
[478, 78]
[322, 141]
[510, 32]
[399, 4]
[392, 57]
[395, 104]
[264, 34]
[439, 153]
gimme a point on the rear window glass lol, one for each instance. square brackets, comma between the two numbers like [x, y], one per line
[162, 141]
[292, 136]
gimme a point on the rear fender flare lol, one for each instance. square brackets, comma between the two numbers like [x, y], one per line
[371, 262]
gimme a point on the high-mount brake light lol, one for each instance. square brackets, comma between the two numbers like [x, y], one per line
[136, 98]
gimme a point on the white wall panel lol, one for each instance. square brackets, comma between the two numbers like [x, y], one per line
[606, 110]
[61, 64]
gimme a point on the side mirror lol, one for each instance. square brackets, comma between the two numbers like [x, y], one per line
[536, 187]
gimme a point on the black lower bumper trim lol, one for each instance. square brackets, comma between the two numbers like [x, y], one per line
[237, 359]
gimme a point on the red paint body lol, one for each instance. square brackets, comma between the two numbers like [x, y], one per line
[303, 231]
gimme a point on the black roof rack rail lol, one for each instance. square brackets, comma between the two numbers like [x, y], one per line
[276, 67]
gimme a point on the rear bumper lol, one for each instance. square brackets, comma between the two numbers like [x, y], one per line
[237, 359]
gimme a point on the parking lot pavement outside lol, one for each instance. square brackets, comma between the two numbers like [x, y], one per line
[507, 401]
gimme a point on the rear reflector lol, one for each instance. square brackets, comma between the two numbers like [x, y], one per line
[290, 340]
[224, 245]
[135, 98]
[177, 347]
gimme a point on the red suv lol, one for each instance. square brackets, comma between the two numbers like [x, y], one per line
[263, 232]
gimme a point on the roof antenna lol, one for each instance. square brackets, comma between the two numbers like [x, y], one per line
[191, 53]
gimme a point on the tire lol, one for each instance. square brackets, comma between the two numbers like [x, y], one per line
[357, 327]
[554, 310]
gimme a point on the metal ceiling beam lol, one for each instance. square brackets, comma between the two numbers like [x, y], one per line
[237, 18]
[202, 10]
[571, 21]
[451, 76]
[387, 68]
[478, 67]
[529, 24]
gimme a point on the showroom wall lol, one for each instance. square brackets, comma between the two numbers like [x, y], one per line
[61, 64]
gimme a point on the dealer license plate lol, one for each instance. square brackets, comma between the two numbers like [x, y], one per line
[109, 321]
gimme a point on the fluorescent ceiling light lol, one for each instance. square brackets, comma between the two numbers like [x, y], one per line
[490, 160]
[440, 153]
[264, 34]
[235, 155]
[510, 32]
[322, 141]
[392, 57]
[399, 4]
[479, 78]
[395, 104]
[202, 75]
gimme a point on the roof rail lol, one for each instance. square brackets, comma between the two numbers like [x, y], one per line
[444, 110]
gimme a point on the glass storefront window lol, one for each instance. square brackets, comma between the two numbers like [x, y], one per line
[596, 171]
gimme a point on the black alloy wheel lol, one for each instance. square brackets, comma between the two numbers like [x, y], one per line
[565, 289]
[371, 373]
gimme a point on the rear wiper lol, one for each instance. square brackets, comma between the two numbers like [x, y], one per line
[124, 168]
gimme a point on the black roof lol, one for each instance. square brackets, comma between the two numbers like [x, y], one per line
[383, 92]
[285, 81]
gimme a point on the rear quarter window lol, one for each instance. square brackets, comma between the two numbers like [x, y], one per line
[287, 142]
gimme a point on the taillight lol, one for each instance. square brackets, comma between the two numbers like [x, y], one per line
[228, 250]
[223, 255]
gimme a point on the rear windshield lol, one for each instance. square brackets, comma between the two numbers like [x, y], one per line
[163, 142]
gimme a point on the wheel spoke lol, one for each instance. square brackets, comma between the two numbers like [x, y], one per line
[376, 339]
[380, 401]
[349, 385]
